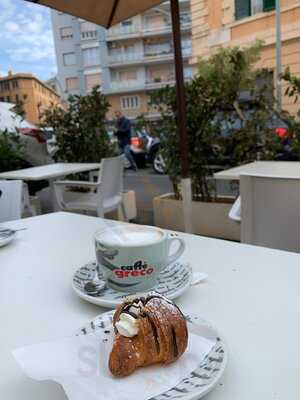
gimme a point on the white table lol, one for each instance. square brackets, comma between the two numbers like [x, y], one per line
[49, 172]
[278, 169]
[252, 295]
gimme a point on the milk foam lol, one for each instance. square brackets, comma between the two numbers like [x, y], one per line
[130, 236]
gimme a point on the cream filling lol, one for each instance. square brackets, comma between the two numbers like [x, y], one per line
[127, 325]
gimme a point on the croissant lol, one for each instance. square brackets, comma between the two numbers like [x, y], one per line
[149, 330]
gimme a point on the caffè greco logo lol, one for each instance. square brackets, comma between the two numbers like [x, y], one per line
[139, 268]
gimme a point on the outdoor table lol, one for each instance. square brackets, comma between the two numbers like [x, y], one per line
[277, 169]
[49, 172]
[252, 296]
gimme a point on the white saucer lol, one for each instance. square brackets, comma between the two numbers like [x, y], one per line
[172, 282]
[194, 385]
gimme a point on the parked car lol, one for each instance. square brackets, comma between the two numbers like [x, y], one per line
[31, 137]
[154, 155]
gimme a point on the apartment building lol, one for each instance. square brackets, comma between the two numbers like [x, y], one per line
[241, 22]
[35, 94]
[128, 60]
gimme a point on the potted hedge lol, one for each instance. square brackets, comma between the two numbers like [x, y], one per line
[214, 99]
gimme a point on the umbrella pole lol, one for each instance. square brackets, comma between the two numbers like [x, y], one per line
[181, 119]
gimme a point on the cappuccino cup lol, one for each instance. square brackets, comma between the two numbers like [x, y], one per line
[131, 257]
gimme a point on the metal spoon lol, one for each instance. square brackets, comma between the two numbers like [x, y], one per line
[4, 232]
[95, 286]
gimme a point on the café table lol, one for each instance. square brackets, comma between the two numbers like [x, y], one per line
[277, 169]
[252, 295]
[49, 172]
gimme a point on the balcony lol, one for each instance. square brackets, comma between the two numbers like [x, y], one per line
[120, 32]
[156, 83]
[89, 35]
[126, 86]
[125, 58]
[146, 57]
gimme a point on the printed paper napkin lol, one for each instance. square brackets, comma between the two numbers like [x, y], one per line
[80, 365]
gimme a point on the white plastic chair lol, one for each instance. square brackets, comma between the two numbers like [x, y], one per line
[11, 204]
[235, 211]
[103, 196]
[29, 208]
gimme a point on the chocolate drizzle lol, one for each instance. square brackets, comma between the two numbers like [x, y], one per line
[175, 347]
[154, 331]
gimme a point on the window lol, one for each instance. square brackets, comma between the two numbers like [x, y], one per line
[246, 8]
[66, 32]
[2, 99]
[91, 56]
[17, 98]
[15, 84]
[69, 59]
[92, 80]
[125, 75]
[72, 83]
[152, 49]
[8, 99]
[188, 73]
[128, 22]
[130, 102]
[88, 30]
[4, 85]
[268, 5]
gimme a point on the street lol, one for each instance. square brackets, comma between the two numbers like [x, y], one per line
[146, 185]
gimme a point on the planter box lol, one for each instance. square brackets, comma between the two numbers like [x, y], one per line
[209, 219]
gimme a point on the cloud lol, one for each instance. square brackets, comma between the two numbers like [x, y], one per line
[26, 40]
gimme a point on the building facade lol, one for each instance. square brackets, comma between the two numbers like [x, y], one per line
[240, 23]
[35, 94]
[127, 61]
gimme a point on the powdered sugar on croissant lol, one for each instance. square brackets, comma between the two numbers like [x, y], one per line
[149, 330]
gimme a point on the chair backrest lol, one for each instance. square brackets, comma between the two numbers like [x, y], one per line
[235, 211]
[10, 200]
[270, 212]
[111, 177]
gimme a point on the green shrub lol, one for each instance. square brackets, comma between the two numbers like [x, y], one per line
[80, 129]
[11, 151]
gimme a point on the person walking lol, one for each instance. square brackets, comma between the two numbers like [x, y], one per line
[123, 133]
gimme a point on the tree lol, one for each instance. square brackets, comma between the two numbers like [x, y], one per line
[213, 99]
[80, 129]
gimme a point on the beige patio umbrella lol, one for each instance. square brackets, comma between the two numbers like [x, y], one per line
[110, 12]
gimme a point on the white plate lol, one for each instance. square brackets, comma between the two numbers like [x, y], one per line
[172, 282]
[199, 382]
[11, 235]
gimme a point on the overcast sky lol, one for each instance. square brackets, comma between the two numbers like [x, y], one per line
[26, 43]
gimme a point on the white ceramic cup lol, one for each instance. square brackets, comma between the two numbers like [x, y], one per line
[131, 256]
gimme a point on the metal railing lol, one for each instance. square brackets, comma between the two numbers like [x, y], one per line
[120, 58]
[125, 57]
[115, 85]
[120, 30]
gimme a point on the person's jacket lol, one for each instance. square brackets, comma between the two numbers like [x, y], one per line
[123, 132]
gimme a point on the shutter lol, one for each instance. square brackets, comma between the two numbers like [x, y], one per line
[269, 5]
[242, 9]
